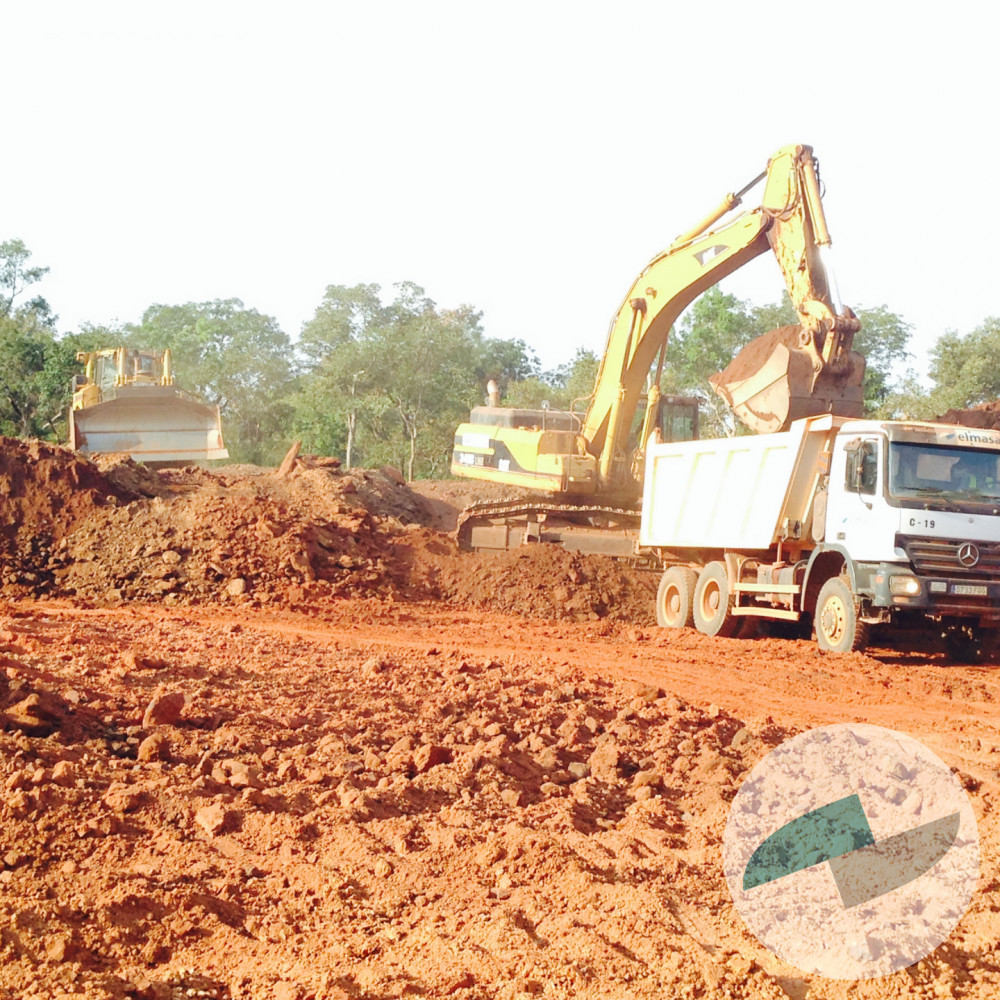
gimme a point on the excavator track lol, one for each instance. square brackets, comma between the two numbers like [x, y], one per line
[594, 529]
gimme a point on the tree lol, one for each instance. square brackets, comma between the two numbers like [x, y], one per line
[964, 370]
[16, 276]
[389, 381]
[35, 367]
[235, 358]
[709, 335]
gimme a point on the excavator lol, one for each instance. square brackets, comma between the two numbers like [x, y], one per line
[126, 401]
[589, 464]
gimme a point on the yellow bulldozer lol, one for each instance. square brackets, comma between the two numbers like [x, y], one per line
[127, 402]
[589, 463]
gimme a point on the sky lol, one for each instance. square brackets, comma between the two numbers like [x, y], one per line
[525, 158]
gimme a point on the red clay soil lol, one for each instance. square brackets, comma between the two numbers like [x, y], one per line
[376, 799]
[985, 416]
[245, 756]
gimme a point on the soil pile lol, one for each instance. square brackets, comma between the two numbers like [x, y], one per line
[538, 581]
[985, 416]
[260, 805]
[45, 493]
[246, 815]
[116, 531]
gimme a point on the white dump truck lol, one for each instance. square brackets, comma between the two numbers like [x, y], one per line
[844, 523]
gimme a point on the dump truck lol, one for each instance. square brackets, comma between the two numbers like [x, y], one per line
[126, 401]
[588, 464]
[844, 524]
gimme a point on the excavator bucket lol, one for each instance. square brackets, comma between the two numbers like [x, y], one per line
[772, 382]
[152, 424]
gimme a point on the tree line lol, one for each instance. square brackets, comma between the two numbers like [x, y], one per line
[384, 378]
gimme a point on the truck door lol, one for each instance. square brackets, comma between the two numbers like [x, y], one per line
[858, 516]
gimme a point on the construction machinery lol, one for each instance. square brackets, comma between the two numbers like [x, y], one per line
[842, 524]
[590, 464]
[127, 402]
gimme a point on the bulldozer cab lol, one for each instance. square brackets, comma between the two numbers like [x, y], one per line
[127, 402]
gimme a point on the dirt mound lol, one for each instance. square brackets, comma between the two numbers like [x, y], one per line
[539, 581]
[220, 811]
[985, 416]
[117, 531]
[46, 492]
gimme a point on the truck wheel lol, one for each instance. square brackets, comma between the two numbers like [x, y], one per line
[838, 629]
[713, 603]
[675, 598]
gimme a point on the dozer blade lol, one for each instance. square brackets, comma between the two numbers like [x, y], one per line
[771, 382]
[151, 424]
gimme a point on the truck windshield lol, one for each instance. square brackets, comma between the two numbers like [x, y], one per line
[918, 471]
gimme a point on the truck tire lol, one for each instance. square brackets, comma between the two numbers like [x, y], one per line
[675, 597]
[838, 629]
[713, 603]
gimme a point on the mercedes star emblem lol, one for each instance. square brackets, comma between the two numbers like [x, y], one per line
[968, 554]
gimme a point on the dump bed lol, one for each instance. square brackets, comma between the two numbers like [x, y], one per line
[739, 493]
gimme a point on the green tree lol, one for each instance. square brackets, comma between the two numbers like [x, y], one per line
[709, 335]
[35, 367]
[389, 381]
[233, 357]
[964, 369]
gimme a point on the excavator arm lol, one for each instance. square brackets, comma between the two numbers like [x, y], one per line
[789, 373]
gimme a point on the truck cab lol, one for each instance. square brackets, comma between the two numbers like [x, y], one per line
[916, 508]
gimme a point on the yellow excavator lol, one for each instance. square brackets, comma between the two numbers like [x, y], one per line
[126, 402]
[590, 463]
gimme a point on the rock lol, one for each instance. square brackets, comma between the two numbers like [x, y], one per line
[511, 797]
[155, 747]
[123, 800]
[171, 558]
[740, 737]
[394, 474]
[578, 770]
[430, 755]
[214, 819]
[164, 709]
[605, 759]
[39, 714]
[286, 990]
[241, 775]
[236, 587]
[137, 661]
[382, 868]
[64, 774]
[57, 948]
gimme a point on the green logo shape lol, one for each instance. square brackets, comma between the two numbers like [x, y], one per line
[839, 833]
[810, 839]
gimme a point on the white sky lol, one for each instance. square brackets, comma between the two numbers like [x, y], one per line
[527, 158]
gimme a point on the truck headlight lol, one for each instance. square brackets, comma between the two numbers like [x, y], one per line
[904, 585]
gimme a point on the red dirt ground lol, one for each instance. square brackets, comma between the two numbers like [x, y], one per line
[335, 784]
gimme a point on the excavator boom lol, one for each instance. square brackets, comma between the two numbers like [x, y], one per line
[798, 371]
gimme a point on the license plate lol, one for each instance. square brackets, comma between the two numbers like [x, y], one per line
[970, 589]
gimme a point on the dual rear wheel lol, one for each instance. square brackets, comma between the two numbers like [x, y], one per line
[687, 598]
[704, 600]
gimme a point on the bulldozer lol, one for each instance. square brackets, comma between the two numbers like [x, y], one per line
[126, 402]
[589, 463]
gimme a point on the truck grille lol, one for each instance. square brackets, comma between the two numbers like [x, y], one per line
[944, 556]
